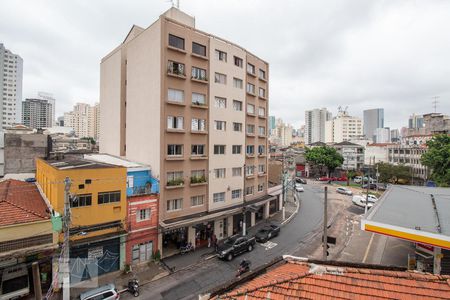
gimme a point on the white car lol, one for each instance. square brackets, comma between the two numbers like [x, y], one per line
[360, 200]
[343, 190]
[299, 188]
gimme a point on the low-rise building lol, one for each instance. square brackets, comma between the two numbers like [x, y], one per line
[26, 232]
[353, 155]
[376, 153]
[409, 156]
[98, 210]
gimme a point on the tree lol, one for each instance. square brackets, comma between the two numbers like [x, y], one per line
[437, 158]
[393, 173]
[324, 157]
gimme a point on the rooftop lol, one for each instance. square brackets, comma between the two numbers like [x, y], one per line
[77, 163]
[113, 160]
[425, 220]
[297, 278]
[21, 202]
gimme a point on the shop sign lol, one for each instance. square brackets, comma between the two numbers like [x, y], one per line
[175, 230]
[96, 252]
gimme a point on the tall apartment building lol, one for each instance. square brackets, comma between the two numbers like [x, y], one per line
[343, 128]
[38, 113]
[382, 135]
[373, 119]
[11, 75]
[415, 121]
[194, 107]
[84, 119]
[315, 125]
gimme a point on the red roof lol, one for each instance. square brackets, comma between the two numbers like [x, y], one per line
[21, 202]
[303, 280]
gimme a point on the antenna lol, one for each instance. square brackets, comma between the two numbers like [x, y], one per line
[435, 102]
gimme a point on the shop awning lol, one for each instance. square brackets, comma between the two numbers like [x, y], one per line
[417, 214]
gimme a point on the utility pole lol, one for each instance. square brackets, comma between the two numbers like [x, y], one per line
[65, 250]
[36, 281]
[368, 185]
[284, 184]
[325, 224]
[243, 207]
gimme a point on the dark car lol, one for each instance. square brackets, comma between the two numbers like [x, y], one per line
[31, 179]
[235, 245]
[266, 233]
[300, 180]
[372, 186]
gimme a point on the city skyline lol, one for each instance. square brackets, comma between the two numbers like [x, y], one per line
[52, 62]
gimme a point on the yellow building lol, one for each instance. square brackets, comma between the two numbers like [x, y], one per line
[98, 207]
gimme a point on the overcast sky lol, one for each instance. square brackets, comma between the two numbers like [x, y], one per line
[360, 54]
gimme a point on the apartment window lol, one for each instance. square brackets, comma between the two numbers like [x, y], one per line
[197, 200]
[220, 102]
[262, 93]
[250, 150]
[250, 88]
[251, 109]
[198, 150]
[108, 197]
[236, 194]
[199, 74]
[81, 200]
[250, 68]
[175, 122]
[220, 78]
[237, 105]
[238, 83]
[176, 41]
[260, 187]
[262, 74]
[143, 214]
[251, 129]
[237, 149]
[219, 173]
[261, 168]
[248, 190]
[198, 99]
[262, 130]
[249, 170]
[198, 49]
[198, 125]
[174, 204]
[238, 62]
[237, 127]
[261, 111]
[175, 178]
[174, 150]
[176, 68]
[175, 95]
[219, 149]
[237, 172]
[220, 55]
[220, 125]
[218, 197]
[261, 149]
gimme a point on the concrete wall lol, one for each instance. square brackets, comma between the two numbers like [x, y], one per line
[21, 151]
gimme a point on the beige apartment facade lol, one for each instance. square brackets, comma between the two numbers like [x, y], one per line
[175, 98]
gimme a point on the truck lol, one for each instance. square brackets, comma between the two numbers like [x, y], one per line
[235, 245]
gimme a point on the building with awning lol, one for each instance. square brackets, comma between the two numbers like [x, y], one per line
[417, 214]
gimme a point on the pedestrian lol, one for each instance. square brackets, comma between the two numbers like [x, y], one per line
[214, 241]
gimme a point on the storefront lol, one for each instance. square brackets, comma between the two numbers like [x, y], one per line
[274, 206]
[174, 239]
[203, 234]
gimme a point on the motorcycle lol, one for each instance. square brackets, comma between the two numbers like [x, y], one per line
[243, 268]
[133, 287]
[187, 248]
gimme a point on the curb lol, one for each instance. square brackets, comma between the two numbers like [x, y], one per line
[293, 214]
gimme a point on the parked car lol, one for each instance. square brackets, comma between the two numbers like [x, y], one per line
[267, 232]
[235, 245]
[372, 198]
[345, 191]
[342, 178]
[361, 201]
[299, 188]
[357, 179]
[300, 180]
[327, 178]
[372, 186]
[106, 292]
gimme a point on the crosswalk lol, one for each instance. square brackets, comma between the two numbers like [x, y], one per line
[269, 245]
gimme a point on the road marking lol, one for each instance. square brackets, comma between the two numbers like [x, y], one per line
[269, 245]
[368, 248]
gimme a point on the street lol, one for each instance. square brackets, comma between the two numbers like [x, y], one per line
[300, 237]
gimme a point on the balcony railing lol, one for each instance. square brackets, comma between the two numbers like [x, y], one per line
[175, 182]
[198, 179]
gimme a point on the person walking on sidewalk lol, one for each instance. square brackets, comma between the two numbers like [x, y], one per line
[214, 241]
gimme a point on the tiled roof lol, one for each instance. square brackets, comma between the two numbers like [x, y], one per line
[21, 202]
[303, 280]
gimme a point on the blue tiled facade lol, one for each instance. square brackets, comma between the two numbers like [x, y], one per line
[141, 183]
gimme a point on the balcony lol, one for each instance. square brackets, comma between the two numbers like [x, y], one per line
[175, 183]
[199, 132]
[199, 105]
[198, 180]
[176, 72]
[174, 157]
[198, 157]
[200, 79]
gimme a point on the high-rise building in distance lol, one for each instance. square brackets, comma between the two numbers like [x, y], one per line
[194, 107]
[11, 76]
[84, 119]
[373, 119]
[343, 128]
[38, 113]
[315, 125]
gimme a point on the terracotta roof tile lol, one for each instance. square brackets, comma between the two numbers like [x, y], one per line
[21, 202]
[294, 280]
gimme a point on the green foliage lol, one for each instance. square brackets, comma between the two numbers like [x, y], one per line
[393, 173]
[198, 179]
[437, 158]
[156, 255]
[324, 157]
[175, 182]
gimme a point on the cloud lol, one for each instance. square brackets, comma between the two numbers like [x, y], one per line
[361, 54]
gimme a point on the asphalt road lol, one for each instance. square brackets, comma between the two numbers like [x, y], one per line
[297, 237]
